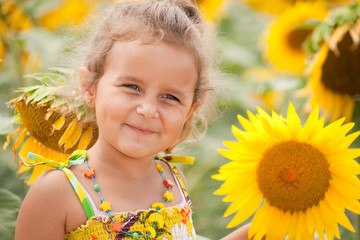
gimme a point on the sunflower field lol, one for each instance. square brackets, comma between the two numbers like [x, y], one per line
[284, 150]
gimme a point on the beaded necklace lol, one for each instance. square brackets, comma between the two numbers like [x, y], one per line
[154, 218]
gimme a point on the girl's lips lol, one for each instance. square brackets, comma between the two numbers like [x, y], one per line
[140, 130]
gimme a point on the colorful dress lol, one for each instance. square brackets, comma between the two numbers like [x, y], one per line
[177, 219]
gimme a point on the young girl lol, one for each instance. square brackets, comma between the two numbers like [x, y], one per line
[145, 75]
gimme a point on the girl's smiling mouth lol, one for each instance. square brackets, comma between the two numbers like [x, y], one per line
[140, 130]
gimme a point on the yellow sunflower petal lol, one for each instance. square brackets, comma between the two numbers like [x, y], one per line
[59, 123]
[71, 135]
[237, 133]
[19, 129]
[19, 141]
[301, 225]
[333, 201]
[37, 171]
[86, 138]
[319, 225]
[248, 210]
[310, 223]
[249, 200]
[293, 122]
[344, 221]
[329, 219]
[74, 138]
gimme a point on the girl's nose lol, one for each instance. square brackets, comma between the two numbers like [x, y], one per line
[148, 109]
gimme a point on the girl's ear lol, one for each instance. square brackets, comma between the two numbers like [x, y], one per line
[86, 86]
[193, 108]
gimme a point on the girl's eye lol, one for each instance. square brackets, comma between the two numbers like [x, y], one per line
[171, 97]
[132, 86]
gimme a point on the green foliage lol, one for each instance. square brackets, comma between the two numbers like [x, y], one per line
[9, 208]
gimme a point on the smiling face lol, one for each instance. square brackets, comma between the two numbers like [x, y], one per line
[144, 97]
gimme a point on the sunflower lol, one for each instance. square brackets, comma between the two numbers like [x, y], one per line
[279, 6]
[285, 42]
[44, 129]
[16, 18]
[274, 7]
[298, 180]
[334, 72]
[212, 10]
[70, 13]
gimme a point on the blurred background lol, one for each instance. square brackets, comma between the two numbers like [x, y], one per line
[267, 58]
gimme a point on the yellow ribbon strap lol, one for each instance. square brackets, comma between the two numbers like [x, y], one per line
[180, 159]
[40, 160]
[76, 157]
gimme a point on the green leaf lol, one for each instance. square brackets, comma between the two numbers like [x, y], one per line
[8, 200]
[6, 124]
[28, 89]
[41, 93]
[64, 71]
[9, 208]
[50, 79]
[308, 25]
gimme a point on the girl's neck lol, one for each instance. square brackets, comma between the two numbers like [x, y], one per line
[110, 159]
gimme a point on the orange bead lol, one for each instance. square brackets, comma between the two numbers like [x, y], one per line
[89, 172]
[116, 226]
[168, 183]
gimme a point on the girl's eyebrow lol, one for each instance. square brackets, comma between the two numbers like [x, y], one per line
[130, 78]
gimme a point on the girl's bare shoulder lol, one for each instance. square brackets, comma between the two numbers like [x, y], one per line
[52, 182]
[44, 210]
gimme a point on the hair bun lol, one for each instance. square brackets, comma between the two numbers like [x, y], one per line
[190, 9]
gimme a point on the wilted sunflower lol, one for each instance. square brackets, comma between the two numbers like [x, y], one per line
[49, 132]
[297, 180]
[285, 42]
[334, 72]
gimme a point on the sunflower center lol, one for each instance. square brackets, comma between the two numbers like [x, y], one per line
[289, 175]
[340, 73]
[297, 37]
[293, 176]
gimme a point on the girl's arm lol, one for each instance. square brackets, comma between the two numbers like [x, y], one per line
[240, 234]
[43, 212]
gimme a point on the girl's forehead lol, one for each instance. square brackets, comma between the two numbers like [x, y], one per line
[141, 47]
[151, 53]
[155, 60]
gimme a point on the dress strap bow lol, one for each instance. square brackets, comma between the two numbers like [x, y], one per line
[77, 157]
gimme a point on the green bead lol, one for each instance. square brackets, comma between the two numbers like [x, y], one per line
[135, 235]
[96, 187]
